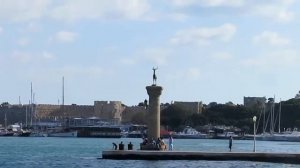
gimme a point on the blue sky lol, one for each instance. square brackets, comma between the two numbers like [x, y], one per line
[205, 50]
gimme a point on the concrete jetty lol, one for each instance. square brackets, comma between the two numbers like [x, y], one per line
[292, 158]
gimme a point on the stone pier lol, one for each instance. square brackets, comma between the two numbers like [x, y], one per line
[153, 115]
[291, 158]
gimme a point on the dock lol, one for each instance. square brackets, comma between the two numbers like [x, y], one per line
[291, 158]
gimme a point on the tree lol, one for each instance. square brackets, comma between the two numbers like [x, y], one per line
[139, 118]
[197, 120]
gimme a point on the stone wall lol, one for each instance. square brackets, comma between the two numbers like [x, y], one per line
[106, 110]
[109, 110]
[46, 111]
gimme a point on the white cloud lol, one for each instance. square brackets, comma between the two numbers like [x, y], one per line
[193, 73]
[128, 61]
[76, 71]
[47, 55]
[33, 27]
[19, 10]
[21, 56]
[209, 3]
[24, 41]
[222, 56]
[65, 36]
[133, 9]
[177, 16]
[278, 10]
[27, 57]
[72, 10]
[158, 56]
[202, 36]
[274, 60]
[271, 38]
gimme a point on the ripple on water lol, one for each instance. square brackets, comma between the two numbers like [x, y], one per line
[84, 152]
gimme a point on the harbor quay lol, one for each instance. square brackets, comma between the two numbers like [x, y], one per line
[290, 158]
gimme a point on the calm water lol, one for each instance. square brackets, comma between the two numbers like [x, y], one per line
[30, 152]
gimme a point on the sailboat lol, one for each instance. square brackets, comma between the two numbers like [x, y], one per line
[286, 135]
[4, 131]
[64, 131]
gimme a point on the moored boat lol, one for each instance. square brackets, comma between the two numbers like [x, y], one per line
[190, 133]
[5, 132]
[24, 133]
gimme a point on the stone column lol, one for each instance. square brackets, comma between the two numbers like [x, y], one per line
[153, 116]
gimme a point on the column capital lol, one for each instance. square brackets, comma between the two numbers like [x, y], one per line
[154, 90]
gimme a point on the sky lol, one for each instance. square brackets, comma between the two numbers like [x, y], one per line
[205, 50]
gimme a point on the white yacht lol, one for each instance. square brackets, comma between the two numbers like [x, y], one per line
[190, 133]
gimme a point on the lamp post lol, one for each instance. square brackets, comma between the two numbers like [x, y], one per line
[254, 130]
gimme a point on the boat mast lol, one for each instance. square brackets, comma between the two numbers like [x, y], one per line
[272, 103]
[63, 90]
[31, 106]
[26, 121]
[273, 115]
[63, 102]
[279, 116]
[5, 121]
[272, 120]
[264, 112]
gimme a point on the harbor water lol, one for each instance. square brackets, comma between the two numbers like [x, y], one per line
[44, 152]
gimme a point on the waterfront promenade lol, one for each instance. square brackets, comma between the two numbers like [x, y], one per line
[293, 158]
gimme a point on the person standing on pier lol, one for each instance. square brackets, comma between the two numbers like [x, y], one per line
[170, 143]
[130, 146]
[230, 143]
[121, 146]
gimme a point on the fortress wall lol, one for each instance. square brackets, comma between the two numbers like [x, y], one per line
[49, 111]
[109, 110]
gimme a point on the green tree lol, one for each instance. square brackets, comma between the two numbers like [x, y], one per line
[139, 118]
[173, 116]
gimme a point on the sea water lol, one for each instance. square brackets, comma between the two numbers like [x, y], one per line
[44, 152]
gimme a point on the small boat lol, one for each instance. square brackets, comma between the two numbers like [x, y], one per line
[24, 133]
[5, 132]
[136, 134]
[226, 135]
[17, 130]
[190, 133]
[291, 136]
